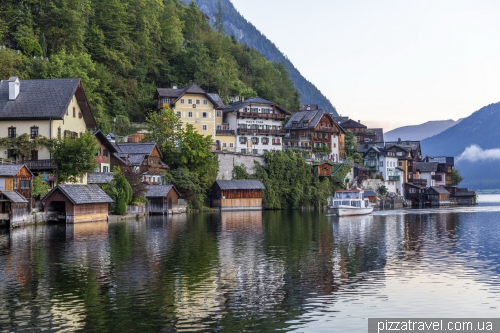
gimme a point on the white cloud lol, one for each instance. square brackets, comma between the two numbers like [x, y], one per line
[474, 153]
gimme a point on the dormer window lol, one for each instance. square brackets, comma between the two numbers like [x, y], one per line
[74, 112]
[12, 132]
[33, 132]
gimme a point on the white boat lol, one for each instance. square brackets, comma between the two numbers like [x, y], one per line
[349, 203]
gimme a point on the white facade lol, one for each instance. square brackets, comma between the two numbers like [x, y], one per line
[391, 175]
[256, 134]
[335, 148]
[429, 177]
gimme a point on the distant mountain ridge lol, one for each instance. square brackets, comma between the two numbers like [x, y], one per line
[482, 129]
[236, 25]
[420, 132]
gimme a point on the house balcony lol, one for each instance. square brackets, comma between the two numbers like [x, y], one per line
[163, 105]
[252, 131]
[276, 116]
[297, 138]
[394, 178]
[224, 132]
[40, 164]
[421, 182]
[326, 129]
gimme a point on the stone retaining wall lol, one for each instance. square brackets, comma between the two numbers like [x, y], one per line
[227, 161]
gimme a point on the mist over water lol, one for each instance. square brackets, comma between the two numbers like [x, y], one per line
[251, 271]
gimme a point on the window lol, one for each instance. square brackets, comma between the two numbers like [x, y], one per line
[197, 101]
[224, 145]
[334, 145]
[219, 113]
[190, 101]
[178, 114]
[182, 100]
[205, 102]
[218, 127]
[381, 163]
[25, 184]
[67, 111]
[74, 112]
[105, 168]
[190, 114]
[231, 145]
[204, 127]
[412, 190]
[59, 132]
[204, 115]
[243, 139]
[34, 132]
[266, 110]
[11, 153]
[265, 141]
[255, 110]
[243, 150]
[105, 152]
[12, 132]
[255, 140]
[399, 153]
[34, 155]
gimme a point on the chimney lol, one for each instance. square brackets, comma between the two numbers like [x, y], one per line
[174, 86]
[359, 121]
[242, 98]
[399, 140]
[14, 85]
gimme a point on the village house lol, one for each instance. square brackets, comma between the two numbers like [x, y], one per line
[258, 125]
[461, 196]
[385, 163]
[237, 194]
[408, 154]
[201, 109]
[104, 152]
[427, 171]
[144, 157]
[444, 172]
[15, 194]
[314, 132]
[164, 199]
[76, 203]
[355, 127]
[415, 194]
[52, 108]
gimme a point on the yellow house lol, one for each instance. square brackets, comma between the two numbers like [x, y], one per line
[201, 109]
[51, 108]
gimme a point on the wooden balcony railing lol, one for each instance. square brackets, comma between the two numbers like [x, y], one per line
[326, 129]
[262, 115]
[224, 132]
[40, 164]
[251, 131]
[394, 178]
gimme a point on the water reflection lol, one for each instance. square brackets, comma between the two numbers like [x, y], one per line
[252, 271]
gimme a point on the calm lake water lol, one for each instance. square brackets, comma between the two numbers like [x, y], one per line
[251, 271]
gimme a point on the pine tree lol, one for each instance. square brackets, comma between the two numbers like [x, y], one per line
[219, 22]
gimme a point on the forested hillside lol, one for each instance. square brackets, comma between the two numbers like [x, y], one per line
[124, 49]
[236, 25]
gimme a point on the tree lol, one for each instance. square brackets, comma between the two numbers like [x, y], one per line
[74, 157]
[219, 22]
[351, 147]
[456, 177]
[40, 187]
[165, 129]
[134, 178]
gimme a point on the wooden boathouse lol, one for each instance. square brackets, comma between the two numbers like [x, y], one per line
[76, 203]
[164, 199]
[237, 194]
[14, 209]
[437, 196]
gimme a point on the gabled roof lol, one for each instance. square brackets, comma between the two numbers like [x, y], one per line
[14, 196]
[365, 146]
[309, 119]
[10, 170]
[346, 122]
[100, 177]
[156, 191]
[192, 88]
[81, 194]
[405, 144]
[105, 141]
[44, 99]
[378, 133]
[240, 184]
[437, 189]
[427, 166]
[256, 100]
[145, 148]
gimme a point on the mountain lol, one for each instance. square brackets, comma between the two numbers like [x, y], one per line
[419, 132]
[236, 25]
[474, 142]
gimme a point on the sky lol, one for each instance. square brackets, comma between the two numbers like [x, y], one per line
[390, 63]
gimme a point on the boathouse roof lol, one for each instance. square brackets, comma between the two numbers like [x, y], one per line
[100, 177]
[240, 184]
[437, 189]
[156, 191]
[81, 194]
[14, 196]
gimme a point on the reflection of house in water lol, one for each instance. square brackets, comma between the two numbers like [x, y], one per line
[241, 221]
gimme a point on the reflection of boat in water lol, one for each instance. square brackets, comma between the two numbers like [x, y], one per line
[349, 203]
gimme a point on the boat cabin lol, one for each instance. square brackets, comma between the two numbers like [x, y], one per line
[352, 198]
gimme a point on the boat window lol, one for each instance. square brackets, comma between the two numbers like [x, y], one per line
[345, 202]
[336, 203]
[366, 203]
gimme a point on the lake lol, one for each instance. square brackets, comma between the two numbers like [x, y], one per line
[251, 271]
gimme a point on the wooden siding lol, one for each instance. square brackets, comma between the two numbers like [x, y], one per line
[237, 199]
[324, 170]
[74, 213]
